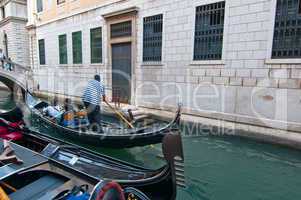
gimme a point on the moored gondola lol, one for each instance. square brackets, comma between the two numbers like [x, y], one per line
[111, 135]
[52, 168]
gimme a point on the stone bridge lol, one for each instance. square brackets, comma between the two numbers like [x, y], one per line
[15, 76]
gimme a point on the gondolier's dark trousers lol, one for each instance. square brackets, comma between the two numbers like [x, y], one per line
[94, 115]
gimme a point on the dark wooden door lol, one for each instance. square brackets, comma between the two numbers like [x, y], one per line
[121, 71]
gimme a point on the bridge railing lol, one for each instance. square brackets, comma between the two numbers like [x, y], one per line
[8, 65]
[19, 72]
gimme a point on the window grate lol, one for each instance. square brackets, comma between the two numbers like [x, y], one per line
[209, 30]
[287, 30]
[96, 45]
[42, 52]
[152, 38]
[63, 49]
[123, 29]
[39, 5]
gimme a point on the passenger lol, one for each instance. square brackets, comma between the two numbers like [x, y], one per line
[68, 116]
[10, 64]
[54, 110]
[82, 116]
[6, 66]
[2, 57]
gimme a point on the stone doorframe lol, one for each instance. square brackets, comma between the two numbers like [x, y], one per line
[129, 14]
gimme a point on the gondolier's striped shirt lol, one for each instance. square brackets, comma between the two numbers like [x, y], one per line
[94, 92]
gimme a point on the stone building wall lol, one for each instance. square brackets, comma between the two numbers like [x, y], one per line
[18, 42]
[13, 25]
[245, 86]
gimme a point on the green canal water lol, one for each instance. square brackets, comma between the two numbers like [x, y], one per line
[221, 168]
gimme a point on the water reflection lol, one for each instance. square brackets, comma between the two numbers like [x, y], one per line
[6, 100]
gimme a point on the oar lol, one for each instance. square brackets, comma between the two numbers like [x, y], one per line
[120, 115]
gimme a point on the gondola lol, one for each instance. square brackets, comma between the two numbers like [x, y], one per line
[52, 168]
[112, 136]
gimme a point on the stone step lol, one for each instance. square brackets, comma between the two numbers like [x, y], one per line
[140, 117]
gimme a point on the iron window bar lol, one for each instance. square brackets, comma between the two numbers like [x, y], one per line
[287, 30]
[123, 29]
[209, 30]
[152, 38]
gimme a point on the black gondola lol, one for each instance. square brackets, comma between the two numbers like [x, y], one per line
[110, 136]
[51, 166]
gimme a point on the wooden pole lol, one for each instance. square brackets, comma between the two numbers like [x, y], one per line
[120, 115]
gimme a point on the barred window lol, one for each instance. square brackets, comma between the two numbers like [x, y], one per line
[42, 52]
[96, 45]
[209, 30]
[287, 30]
[39, 5]
[152, 38]
[77, 47]
[63, 49]
[121, 29]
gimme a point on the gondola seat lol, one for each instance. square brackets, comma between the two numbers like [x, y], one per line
[38, 189]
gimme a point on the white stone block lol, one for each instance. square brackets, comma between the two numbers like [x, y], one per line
[252, 45]
[228, 72]
[260, 73]
[240, 10]
[192, 79]
[249, 82]
[279, 73]
[255, 26]
[290, 83]
[221, 80]
[256, 7]
[243, 73]
[267, 83]
[213, 72]
[205, 79]
[198, 72]
[248, 18]
[245, 54]
[296, 73]
[238, 64]
[232, 55]
[235, 81]
[259, 54]
[180, 79]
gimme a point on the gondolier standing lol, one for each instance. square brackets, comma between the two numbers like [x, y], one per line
[92, 97]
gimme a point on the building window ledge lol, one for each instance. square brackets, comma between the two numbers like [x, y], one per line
[208, 62]
[152, 64]
[96, 64]
[283, 61]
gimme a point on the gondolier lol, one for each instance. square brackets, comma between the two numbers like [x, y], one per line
[92, 97]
